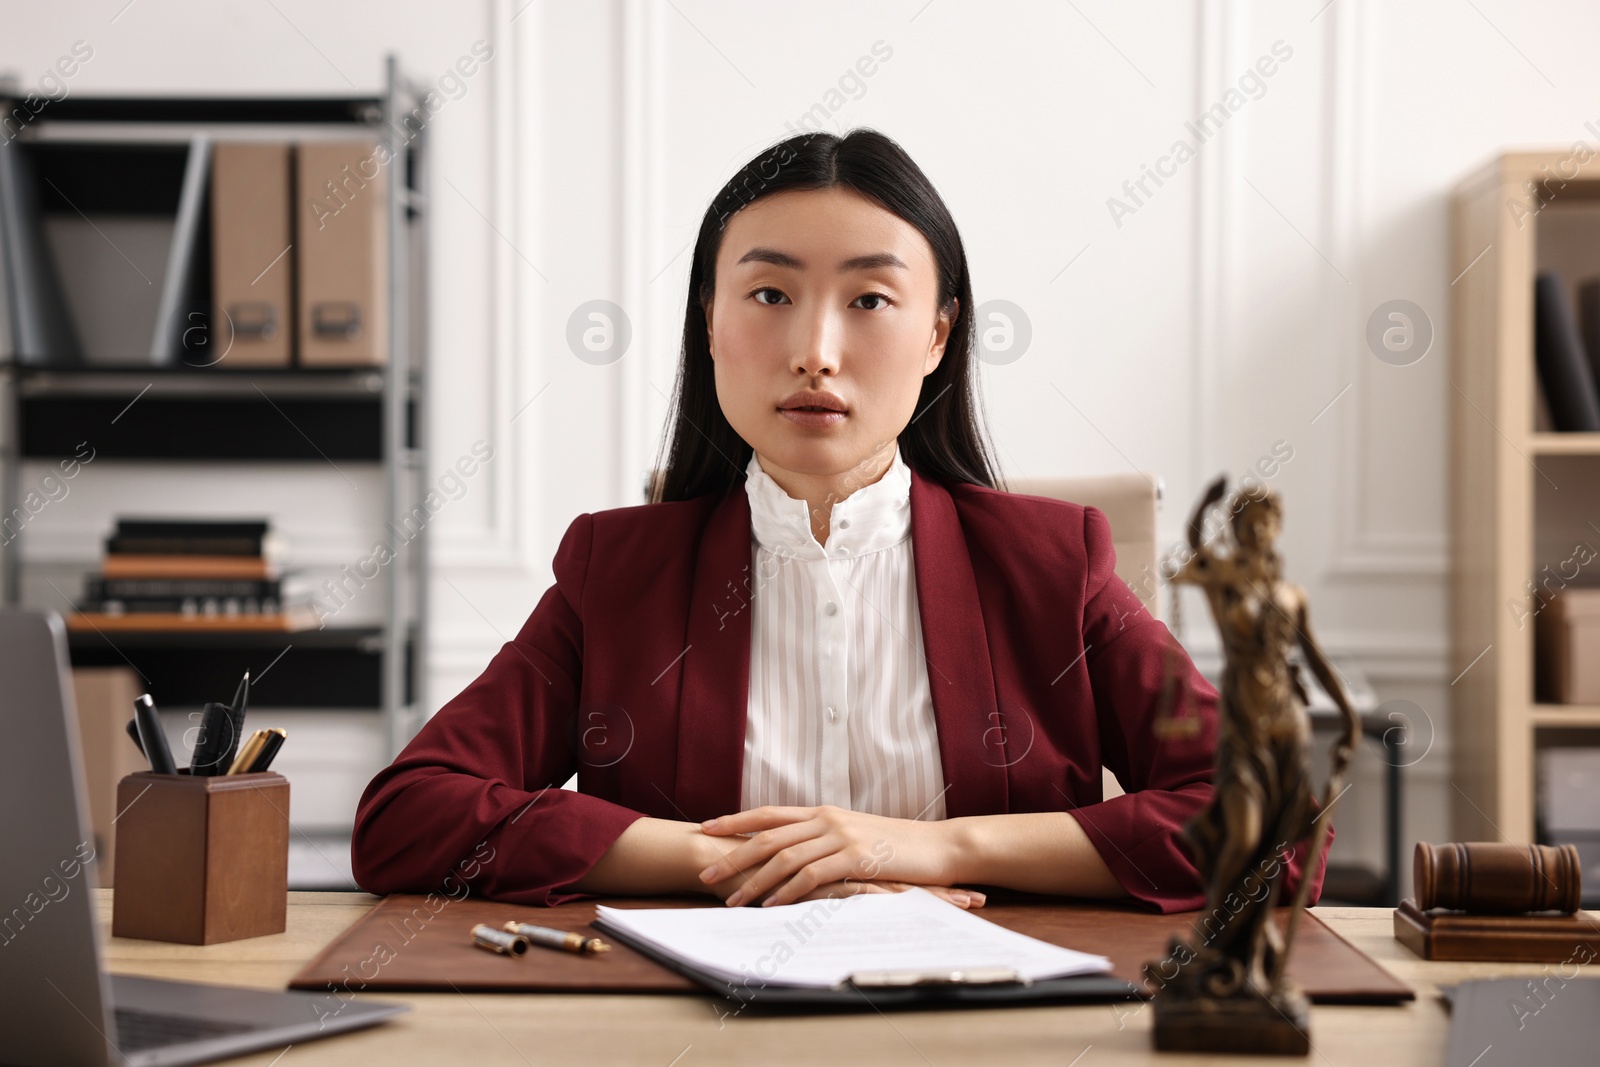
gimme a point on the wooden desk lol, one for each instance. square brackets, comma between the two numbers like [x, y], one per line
[524, 1030]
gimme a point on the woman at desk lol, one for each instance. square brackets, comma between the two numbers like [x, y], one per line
[828, 631]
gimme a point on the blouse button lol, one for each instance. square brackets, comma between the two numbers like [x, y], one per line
[831, 716]
[831, 608]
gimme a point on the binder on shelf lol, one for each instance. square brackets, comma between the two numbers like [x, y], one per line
[120, 223]
[1589, 322]
[342, 243]
[251, 268]
[1562, 363]
[179, 326]
[8, 349]
[40, 331]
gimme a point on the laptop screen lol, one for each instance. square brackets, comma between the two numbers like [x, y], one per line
[52, 994]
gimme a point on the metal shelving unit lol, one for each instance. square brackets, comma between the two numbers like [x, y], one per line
[367, 415]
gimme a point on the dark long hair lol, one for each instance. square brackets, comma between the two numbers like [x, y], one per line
[945, 440]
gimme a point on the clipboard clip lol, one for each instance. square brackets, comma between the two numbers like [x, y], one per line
[894, 979]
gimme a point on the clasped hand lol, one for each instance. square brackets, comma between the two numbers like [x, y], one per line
[803, 853]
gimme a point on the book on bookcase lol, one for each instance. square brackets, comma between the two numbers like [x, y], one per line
[1562, 358]
[194, 574]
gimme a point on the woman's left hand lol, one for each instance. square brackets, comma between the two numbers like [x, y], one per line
[802, 848]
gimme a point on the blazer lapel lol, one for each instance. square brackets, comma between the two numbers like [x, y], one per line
[714, 692]
[713, 699]
[971, 735]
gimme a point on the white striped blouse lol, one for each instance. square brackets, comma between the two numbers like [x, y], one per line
[840, 710]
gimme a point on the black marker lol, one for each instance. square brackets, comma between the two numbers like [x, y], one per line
[241, 696]
[152, 738]
[214, 746]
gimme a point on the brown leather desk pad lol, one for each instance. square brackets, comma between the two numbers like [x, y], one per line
[408, 943]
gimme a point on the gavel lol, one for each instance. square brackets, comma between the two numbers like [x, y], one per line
[1490, 877]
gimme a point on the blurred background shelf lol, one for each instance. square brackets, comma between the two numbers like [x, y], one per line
[110, 276]
[1565, 444]
[176, 622]
[328, 668]
[1583, 716]
[305, 415]
[1523, 498]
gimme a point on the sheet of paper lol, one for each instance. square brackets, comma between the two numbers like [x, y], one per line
[819, 943]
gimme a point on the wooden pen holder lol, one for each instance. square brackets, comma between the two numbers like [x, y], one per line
[200, 860]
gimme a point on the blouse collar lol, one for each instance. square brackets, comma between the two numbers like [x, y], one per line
[871, 518]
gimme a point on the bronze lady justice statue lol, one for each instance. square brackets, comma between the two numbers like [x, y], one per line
[1226, 991]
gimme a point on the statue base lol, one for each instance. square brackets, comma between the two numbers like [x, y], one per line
[1277, 1025]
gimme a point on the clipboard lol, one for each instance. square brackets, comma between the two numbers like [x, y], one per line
[886, 990]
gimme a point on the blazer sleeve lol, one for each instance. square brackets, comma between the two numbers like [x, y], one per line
[475, 798]
[1130, 654]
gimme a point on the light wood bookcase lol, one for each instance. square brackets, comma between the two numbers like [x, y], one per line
[1521, 496]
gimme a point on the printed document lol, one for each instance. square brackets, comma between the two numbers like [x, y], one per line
[820, 943]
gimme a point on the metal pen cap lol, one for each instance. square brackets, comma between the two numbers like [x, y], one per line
[506, 944]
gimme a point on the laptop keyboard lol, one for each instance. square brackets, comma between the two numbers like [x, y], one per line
[139, 1030]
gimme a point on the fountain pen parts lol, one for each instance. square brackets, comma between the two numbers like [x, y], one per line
[489, 939]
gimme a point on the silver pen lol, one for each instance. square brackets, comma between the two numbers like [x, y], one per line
[564, 940]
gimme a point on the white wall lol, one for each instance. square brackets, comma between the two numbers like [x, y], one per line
[1223, 315]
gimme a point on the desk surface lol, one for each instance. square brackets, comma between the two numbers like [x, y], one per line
[522, 1030]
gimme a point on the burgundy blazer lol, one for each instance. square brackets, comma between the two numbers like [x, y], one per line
[633, 670]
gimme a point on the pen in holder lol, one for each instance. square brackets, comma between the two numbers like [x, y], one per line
[201, 859]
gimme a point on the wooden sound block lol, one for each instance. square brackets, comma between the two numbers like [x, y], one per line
[1545, 937]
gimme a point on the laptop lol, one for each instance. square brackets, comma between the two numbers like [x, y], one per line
[58, 1007]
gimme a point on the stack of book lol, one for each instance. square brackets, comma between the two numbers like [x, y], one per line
[163, 574]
